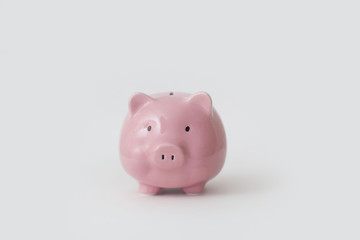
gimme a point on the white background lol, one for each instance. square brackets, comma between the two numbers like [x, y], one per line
[284, 76]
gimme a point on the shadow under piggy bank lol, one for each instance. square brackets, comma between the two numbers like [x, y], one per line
[231, 185]
[239, 184]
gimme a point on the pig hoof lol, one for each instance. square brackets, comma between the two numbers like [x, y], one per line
[194, 189]
[148, 190]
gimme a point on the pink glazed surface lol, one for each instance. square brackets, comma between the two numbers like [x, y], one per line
[172, 140]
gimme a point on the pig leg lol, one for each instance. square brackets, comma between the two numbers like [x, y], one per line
[147, 189]
[194, 189]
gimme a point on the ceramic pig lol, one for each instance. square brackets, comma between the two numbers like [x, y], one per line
[172, 140]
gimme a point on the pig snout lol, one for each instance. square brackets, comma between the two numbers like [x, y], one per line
[168, 156]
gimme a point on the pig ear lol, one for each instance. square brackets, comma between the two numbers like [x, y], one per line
[202, 99]
[137, 101]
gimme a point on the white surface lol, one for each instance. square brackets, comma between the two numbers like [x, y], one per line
[283, 75]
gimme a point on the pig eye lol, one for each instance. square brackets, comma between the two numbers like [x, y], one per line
[149, 128]
[187, 128]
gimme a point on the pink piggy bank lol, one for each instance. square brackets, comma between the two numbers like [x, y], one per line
[172, 140]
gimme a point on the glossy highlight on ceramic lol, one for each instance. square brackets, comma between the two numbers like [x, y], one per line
[172, 140]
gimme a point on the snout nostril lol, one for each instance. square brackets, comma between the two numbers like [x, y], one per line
[162, 157]
[172, 157]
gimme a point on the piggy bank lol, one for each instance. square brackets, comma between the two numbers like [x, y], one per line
[172, 140]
